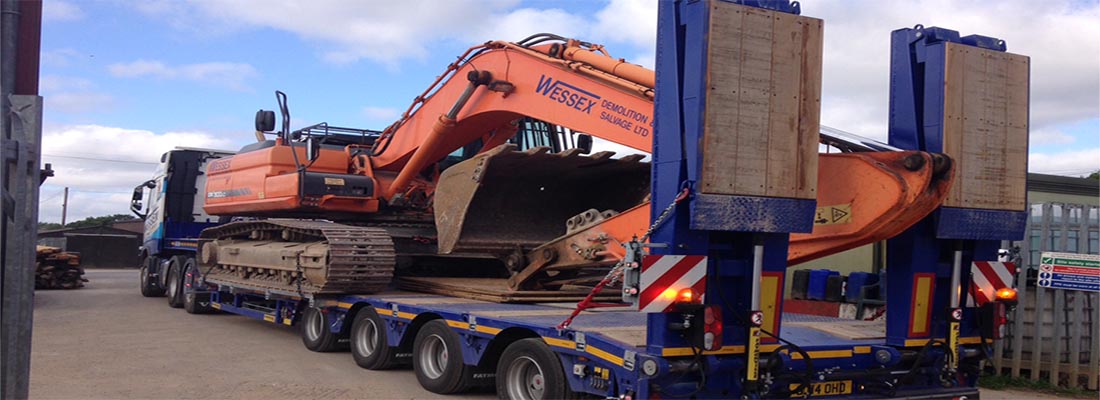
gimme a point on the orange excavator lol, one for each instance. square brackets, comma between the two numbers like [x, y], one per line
[490, 166]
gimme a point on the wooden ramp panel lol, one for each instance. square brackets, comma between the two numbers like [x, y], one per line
[985, 127]
[763, 103]
[496, 290]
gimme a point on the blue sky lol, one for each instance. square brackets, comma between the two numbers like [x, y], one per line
[127, 80]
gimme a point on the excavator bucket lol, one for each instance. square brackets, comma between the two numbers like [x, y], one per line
[502, 199]
[871, 196]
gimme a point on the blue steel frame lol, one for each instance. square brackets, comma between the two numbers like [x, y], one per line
[724, 228]
[917, 69]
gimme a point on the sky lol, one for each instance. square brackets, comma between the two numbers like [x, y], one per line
[125, 81]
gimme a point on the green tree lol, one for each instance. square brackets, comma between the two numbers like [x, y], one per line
[1095, 175]
[48, 226]
[99, 221]
[86, 222]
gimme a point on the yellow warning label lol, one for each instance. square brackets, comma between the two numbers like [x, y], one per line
[838, 214]
[334, 181]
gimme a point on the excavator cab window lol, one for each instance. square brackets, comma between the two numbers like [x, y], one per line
[534, 133]
[460, 155]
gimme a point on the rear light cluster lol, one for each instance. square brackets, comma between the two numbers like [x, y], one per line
[689, 303]
[712, 328]
[994, 317]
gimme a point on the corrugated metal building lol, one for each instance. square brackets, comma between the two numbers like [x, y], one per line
[99, 247]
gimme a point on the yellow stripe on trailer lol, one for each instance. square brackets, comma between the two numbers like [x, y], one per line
[216, 306]
[488, 330]
[567, 344]
[687, 351]
[611, 358]
[824, 354]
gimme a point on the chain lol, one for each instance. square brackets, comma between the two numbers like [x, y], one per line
[664, 214]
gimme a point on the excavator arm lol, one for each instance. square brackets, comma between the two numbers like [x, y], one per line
[553, 216]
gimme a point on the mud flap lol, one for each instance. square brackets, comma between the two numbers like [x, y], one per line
[503, 199]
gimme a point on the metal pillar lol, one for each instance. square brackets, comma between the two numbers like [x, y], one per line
[20, 142]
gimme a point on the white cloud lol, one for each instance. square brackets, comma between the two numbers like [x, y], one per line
[1072, 162]
[79, 102]
[1050, 136]
[59, 58]
[57, 83]
[516, 25]
[60, 10]
[233, 76]
[381, 113]
[73, 95]
[630, 21]
[102, 164]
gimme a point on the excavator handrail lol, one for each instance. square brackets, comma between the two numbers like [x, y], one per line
[849, 142]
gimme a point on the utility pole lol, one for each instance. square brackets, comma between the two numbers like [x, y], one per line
[20, 142]
[64, 206]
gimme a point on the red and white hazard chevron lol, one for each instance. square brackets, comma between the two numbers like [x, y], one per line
[986, 277]
[663, 277]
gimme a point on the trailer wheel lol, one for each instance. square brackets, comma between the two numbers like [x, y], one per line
[315, 331]
[529, 370]
[174, 283]
[369, 342]
[149, 287]
[437, 359]
[194, 303]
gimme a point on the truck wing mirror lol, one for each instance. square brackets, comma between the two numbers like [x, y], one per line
[139, 193]
[584, 143]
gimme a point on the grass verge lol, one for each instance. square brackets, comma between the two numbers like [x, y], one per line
[999, 382]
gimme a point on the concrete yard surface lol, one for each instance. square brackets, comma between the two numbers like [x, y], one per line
[106, 341]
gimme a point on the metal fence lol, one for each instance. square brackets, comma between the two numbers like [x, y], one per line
[1054, 334]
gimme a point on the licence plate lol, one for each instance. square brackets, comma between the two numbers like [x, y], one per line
[829, 388]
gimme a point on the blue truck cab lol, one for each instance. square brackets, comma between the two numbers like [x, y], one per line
[171, 205]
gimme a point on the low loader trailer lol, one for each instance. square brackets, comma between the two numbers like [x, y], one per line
[692, 308]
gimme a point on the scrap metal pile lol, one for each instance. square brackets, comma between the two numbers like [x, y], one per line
[56, 269]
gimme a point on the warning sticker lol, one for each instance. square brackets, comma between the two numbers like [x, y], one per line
[838, 214]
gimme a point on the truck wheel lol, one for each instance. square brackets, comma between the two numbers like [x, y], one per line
[369, 342]
[437, 359]
[315, 331]
[529, 370]
[174, 284]
[194, 303]
[149, 287]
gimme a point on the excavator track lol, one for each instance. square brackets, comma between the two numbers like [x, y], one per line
[303, 257]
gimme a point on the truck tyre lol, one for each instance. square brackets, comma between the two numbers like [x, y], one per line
[149, 287]
[437, 359]
[529, 370]
[315, 331]
[174, 283]
[194, 303]
[370, 343]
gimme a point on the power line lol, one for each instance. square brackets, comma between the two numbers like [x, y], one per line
[99, 159]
